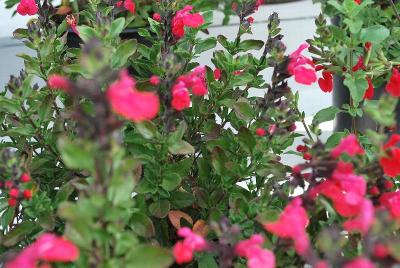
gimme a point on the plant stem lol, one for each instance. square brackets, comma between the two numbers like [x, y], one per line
[395, 10]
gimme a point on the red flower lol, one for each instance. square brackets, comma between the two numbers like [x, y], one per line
[250, 20]
[345, 189]
[291, 225]
[157, 17]
[27, 194]
[183, 18]
[348, 145]
[326, 81]
[128, 5]
[391, 162]
[48, 248]
[393, 87]
[25, 178]
[369, 93]
[363, 221]
[368, 45]
[261, 132]
[359, 262]
[14, 193]
[154, 80]
[256, 256]
[27, 7]
[130, 103]
[12, 202]
[196, 81]
[301, 67]
[217, 74]
[381, 251]
[56, 81]
[180, 97]
[357, 1]
[391, 201]
[359, 65]
[183, 250]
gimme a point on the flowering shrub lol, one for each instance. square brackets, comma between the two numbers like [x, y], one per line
[127, 153]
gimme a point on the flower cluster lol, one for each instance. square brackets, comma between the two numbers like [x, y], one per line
[184, 18]
[184, 250]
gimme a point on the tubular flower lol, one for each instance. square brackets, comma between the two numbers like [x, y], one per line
[183, 250]
[256, 256]
[391, 162]
[363, 221]
[301, 67]
[196, 81]
[348, 145]
[345, 189]
[180, 97]
[292, 224]
[47, 248]
[369, 93]
[393, 87]
[130, 103]
[326, 81]
[27, 7]
[184, 18]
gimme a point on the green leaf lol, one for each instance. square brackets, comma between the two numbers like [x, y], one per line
[180, 199]
[149, 257]
[250, 45]
[247, 138]
[160, 208]
[142, 225]
[18, 233]
[86, 33]
[374, 34]
[334, 139]
[76, 154]
[181, 148]
[207, 261]
[206, 44]
[117, 26]
[147, 128]
[171, 181]
[325, 115]
[177, 135]
[357, 86]
[243, 110]
[123, 52]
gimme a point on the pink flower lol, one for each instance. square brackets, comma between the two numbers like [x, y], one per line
[292, 224]
[393, 87]
[381, 251]
[130, 103]
[154, 80]
[180, 97]
[157, 17]
[217, 74]
[184, 18]
[71, 21]
[182, 253]
[183, 250]
[391, 201]
[128, 5]
[348, 145]
[47, 248]
[391, 162]
[301, 67]
[363, 221]
[196, 80]
[56, 81]
[359, 262]
[27, 7]
[257, 257]
[345, 189]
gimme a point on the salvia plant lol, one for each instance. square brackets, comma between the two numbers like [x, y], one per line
[122, 151]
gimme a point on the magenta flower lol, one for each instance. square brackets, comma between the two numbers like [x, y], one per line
[363, 221]
[256, 256]
[183, 250]
[292, 224]
[359, 262]
[131, 103]
[301, 67]
[47, 248]
[184, 18]
[348, 145]
[27, 7]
